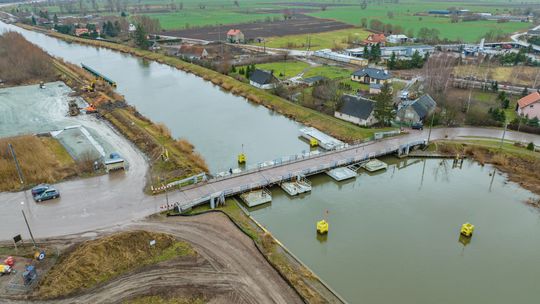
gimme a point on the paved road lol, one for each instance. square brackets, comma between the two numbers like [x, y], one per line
[105, 201]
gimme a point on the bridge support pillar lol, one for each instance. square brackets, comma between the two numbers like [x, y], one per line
[212, 203]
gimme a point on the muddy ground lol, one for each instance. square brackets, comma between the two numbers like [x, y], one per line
[228, 268]
[299, 24]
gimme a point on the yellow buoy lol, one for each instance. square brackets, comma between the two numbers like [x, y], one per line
[241, 158]
[313, 142]
[467, 229]
[322, 226]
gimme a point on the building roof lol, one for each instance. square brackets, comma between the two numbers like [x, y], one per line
[399, 36]
[375, 38]
[357, 106]
[191, 50]
[375, 86]
[313, 79]
[233, 32]
[423, 105]
[529, 99]
[373, 73]
[262, 77]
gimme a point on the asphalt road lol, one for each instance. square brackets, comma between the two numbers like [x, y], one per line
[118, 199]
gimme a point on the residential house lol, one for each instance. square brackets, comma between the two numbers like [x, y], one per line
[310, 81]
[192, 52]
[263, 79]
[81, 31]
[529, 106]
[397, 39]
[235, 36]
[372, 75]
[415, 111]
[357, 109]
[374, 39]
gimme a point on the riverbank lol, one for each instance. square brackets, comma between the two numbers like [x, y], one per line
[170, 159]
[520, 164]
[310, 287]
[328, 124]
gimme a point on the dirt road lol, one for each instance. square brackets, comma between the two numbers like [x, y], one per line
[228, 269]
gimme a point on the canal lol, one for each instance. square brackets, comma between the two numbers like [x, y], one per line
[217, 123]
[394, 235]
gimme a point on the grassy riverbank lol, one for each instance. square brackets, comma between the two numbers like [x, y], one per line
[521, 164]
[170, 159]
[304, 281]
[328, 124]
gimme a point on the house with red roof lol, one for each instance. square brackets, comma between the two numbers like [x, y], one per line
[529, 106]
[374, 39]
[235, 36]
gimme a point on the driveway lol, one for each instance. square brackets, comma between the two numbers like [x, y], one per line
[118, 199]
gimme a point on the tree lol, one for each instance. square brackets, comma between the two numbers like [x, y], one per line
[55, 19]
[375, 52]
[140, 37]
[503, 99]
[384, 110]
[366, 52]
[391, 64]
[525, 92]
[416, 60]
[33, 20]
[495, 86]
[363, 22]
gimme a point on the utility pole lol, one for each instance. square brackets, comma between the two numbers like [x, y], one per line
[430, 126]
[502, 138]
[28, 226]
[21, 178]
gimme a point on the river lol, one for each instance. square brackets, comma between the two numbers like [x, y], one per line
[394, 236]
[402, 245]
[217, 123]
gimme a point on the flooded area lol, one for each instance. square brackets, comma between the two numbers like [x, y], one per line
[216, 122]
[394, 235]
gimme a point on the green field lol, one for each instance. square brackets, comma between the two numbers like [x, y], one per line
[284, 70]
[325, 40]
[209, 13]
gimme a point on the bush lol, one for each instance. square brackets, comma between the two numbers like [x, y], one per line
[530, 146]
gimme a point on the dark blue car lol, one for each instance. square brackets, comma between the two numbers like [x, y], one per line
[48, 194]
[40, 189]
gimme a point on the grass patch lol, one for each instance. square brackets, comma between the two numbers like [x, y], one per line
[284, 70]
[324, 40]
[42, 160]
[328, 71]
[98, 261]
[517, 75]
[328, 124]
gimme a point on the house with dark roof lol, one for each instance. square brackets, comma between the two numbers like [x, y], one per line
[357, 109]
[371, 75]
[415, 111]
[529, 106]
[263, 79]
[310, 81]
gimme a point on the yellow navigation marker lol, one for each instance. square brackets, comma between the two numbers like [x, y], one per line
[467, 229]
[313, 142]
[241, 158]
[322, 226]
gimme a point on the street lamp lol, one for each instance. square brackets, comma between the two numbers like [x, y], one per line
[28, 226]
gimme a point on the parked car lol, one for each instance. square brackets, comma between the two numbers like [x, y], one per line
[48, 194]
[417, 126]
[40, 189]
[5, 269]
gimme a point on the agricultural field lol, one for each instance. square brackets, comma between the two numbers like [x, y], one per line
[517, 75]
[299, 24]
[326, 40]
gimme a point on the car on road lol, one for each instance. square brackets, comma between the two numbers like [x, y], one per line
[417, 126]
[5, 269]
[48, 194]
[40, 189]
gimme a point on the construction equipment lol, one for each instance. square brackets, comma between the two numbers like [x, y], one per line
[73, 108]
[90, 87]
[90, 109]
[29, 275]
[5, 269]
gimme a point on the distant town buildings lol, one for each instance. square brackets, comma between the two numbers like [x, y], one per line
[371, 75]
[235, 36]
[263, 79]
[529, 106]
[357, 109]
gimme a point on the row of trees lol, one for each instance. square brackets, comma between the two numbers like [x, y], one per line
[416, 62]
